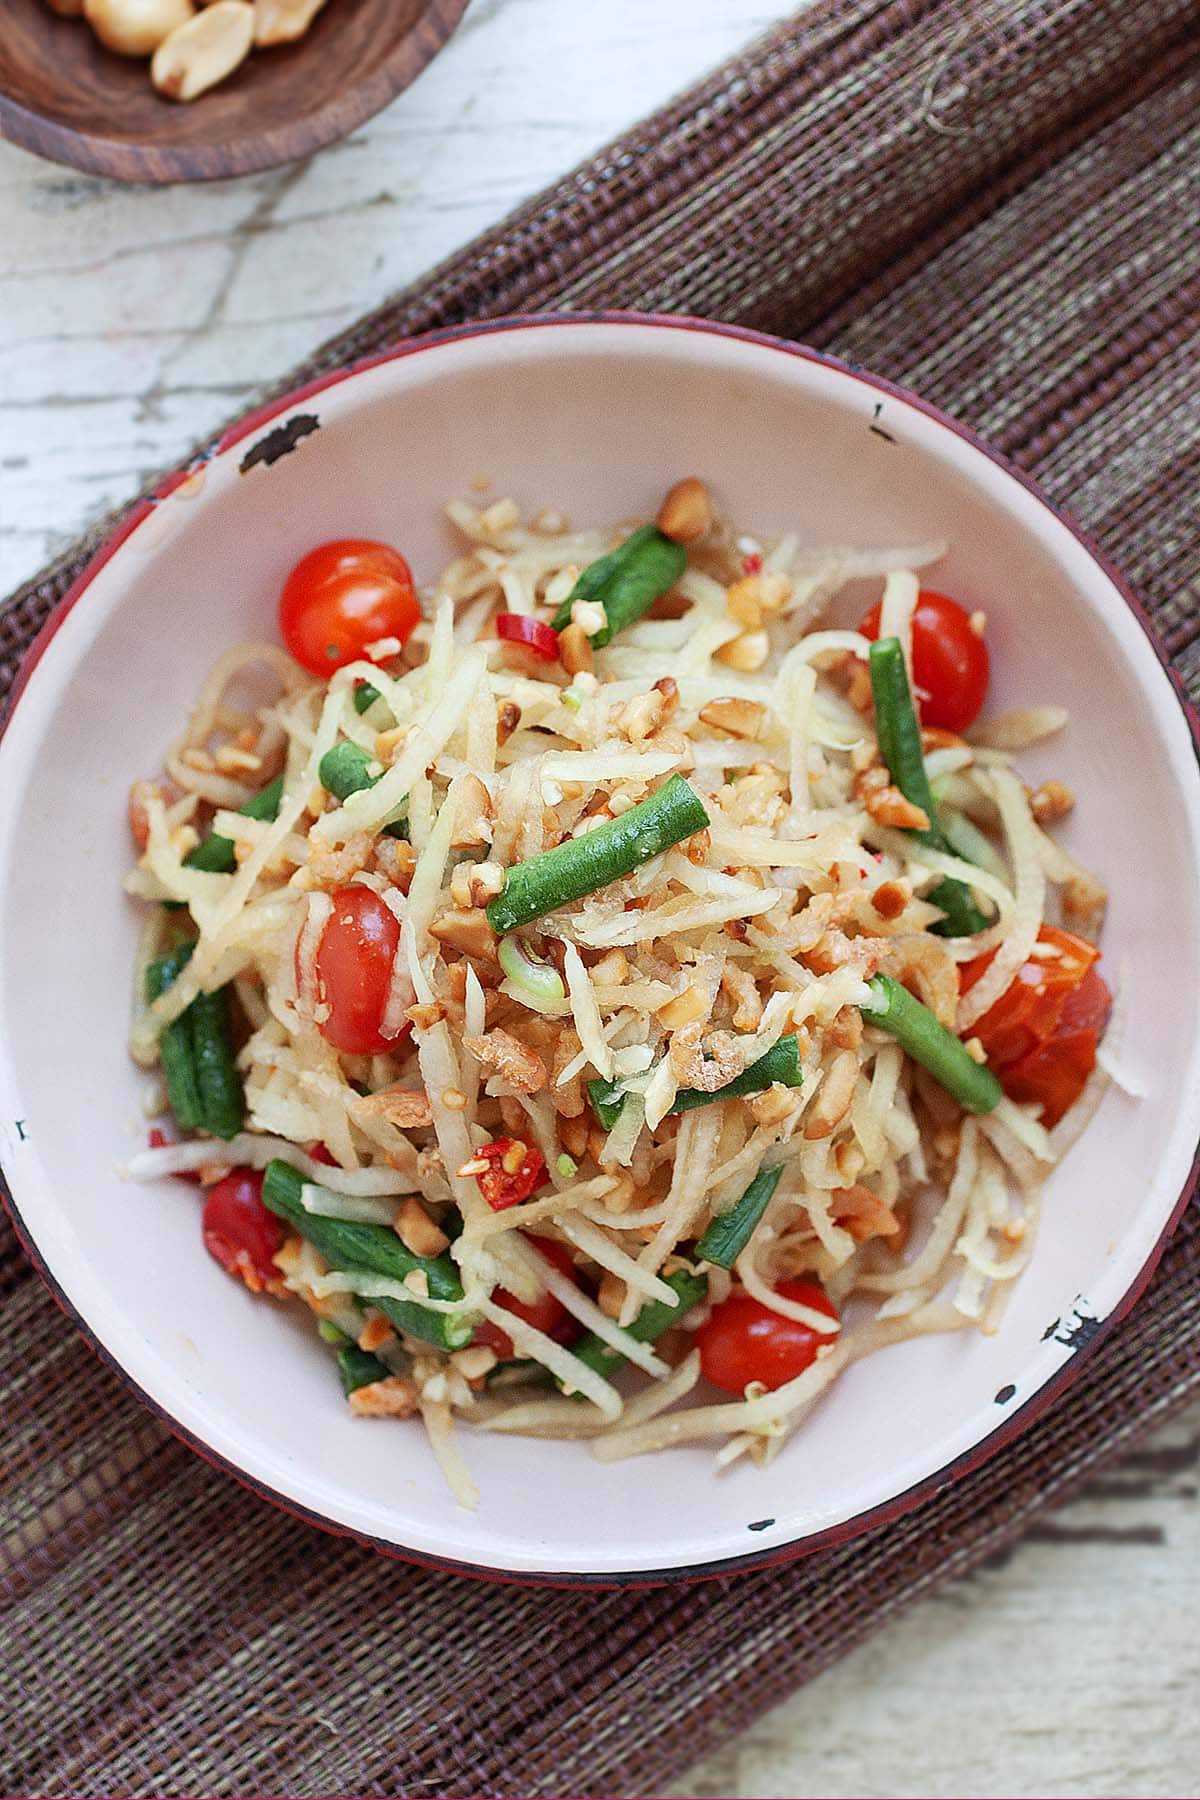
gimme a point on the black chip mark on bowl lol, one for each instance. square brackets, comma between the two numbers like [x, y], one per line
[877, 428]
[1005, 1394]
[1079, 1335]
[280, 441]
[760, 1525]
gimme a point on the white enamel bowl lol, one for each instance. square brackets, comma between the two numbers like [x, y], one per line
[596, 416]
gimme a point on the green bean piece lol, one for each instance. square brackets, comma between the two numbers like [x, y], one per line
[358, 1368]
[215, 853]
[654, 1318]
[222, 1102]
[899, 734]
[780, 1063]
[365, 697]
[928, 1042]
[607, 1100]
[374, 1250]
[579, 866]
[175, 1051]
[345, 770]
[329, 1333]
[627, 581]
[729, 1233]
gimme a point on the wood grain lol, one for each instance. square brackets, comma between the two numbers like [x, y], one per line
[64, 96]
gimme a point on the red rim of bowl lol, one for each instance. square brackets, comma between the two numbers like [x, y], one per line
[163, 164]
[959, 1467]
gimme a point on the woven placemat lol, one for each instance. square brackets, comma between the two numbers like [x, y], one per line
[998, 205]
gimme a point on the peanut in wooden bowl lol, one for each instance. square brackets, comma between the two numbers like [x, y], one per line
[63, 96]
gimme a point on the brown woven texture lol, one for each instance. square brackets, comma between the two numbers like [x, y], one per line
[996, 204]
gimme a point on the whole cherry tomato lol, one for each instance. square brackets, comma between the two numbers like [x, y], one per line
[354, 962]
[545, 1314]
[240, 1232]
[950, 661]
[342, 597]
[742, 1340]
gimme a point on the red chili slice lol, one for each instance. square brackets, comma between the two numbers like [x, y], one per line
[533, 634]
[511, 1172]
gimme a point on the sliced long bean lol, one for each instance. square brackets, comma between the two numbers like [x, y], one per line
[215, 853]
[374, 1250]
[729, 1233]
[780, 1063]
[222, 1101]
[899, 734]
[358, 1368]
[627, 581]
[346, 770]
[175, 1051]
[581, 865]
[927, 1041]
[654, 1318]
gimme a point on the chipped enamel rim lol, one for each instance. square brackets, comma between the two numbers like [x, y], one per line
[1067, 1342]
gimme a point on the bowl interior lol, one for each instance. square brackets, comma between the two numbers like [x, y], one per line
[72, 99]
[595, 418]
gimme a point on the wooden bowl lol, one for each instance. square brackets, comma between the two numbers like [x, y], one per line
[62, 95]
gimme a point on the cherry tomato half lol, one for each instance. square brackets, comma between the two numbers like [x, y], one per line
[1054, 1072]
[343, 596]
[240, 1232]
[950, 661]
[354, 962]
[545, 1314]
[533, 634]
[1029, 1009]
[742, 1340]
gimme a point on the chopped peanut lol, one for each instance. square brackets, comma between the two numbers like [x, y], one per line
[774, 1104]
[746, 653]
[692, 1004]
[472, 821]
[1083, 902]
[507, 720]
[975, 1050]
[466, 929]
[575, 649]
[737, 718]
[846, 1028]
[426, 1014]
[686, 514]
[1050, 801]
[611, 1295]
[375, 1333]
[739, 985]
[886, 804]
[416, 1230]
[474, 1362]
[863, 1214]
[388, 742]
[667, 686]
[611, 970]
[743, 602]
[640, 717]
[833, 1097]
[590, 617]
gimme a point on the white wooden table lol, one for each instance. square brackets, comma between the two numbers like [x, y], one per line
[134, 320]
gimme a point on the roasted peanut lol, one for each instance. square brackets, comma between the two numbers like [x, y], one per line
[196, 56]
[686, 513]
[737, 718]
[134, 27]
